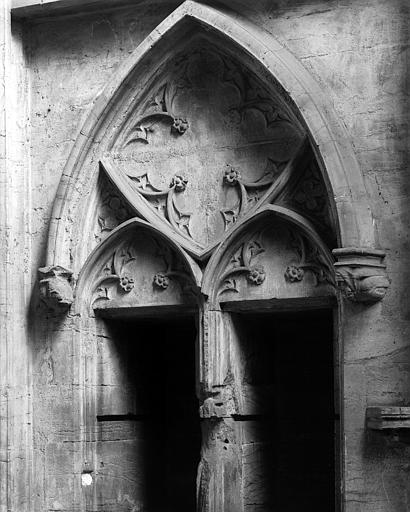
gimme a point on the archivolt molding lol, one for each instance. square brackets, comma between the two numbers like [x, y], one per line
[328, 137]
[112, 268]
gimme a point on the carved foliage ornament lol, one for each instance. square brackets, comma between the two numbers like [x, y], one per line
[309, 259]
[118, 273]
[243, 263]
[115, 273]
[172, 270]
[158, 110]
[249, 192]
[242, 112]
[165, 201]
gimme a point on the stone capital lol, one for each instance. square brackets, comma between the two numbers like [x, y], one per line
[55, 284]
[361, 274]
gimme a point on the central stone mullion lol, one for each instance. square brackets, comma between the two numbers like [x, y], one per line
[220, 470]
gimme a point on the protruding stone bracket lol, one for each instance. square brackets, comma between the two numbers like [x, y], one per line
[56, 288]
[361, 274]
[388, 418]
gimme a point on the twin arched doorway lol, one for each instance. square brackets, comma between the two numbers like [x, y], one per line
[201, 194]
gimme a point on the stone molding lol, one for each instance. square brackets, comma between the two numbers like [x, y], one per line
[330, 141]
[55, 286]
[218, 261]
[361, 274]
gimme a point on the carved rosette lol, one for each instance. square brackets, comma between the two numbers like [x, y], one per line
[309, 259]
[159, 110]
[56, 287]
[172, 271]
[248, 193]
[361, 274]
[115, 274]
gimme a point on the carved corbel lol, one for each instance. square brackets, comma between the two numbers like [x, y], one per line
[56, 287]
[361, 274]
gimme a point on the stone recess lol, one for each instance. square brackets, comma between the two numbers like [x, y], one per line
[174, 160]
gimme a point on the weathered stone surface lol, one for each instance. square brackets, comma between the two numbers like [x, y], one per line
[59, 373]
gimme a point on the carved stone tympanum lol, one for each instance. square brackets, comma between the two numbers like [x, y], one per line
[56, 287]
[361, 274]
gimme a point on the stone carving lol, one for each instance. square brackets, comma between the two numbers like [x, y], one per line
[249, 193]
[112, 209]
[361, 275]
[164, 201]
[56, 287]
[161, 281]
[233, 117]
[310, 259]
[158, 110]
[294, 274]
[309, 196]
[172, 271]
[180, 125]
[114, 274]
[242, 263]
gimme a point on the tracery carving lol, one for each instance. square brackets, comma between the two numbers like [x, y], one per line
[114, 274]
[234, 121]
[249, 193]
[158, 110]
[112, 209]
[172, 270]
[120, 274]
[307, 194]
[165, 201]
[309, 259]
[243, 263]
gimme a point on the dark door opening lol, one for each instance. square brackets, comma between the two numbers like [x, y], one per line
[288, 431]
[160, 455]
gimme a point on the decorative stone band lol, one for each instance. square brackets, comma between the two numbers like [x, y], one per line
[361, 274]
[56, 287]
[388, 418]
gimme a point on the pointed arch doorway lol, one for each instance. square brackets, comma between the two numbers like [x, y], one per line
[200, 189]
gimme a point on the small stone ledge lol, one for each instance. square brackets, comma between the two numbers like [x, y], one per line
[388, 418]
[55, 285]
[361, 274]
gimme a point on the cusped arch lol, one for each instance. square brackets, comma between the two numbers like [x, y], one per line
[104, 266]
[243, 251]
[329, 139]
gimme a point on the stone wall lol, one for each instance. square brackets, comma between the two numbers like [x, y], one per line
[357, 50]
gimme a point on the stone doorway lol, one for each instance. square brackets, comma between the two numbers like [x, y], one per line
[210, 181]
[149, 450]
[288, 443]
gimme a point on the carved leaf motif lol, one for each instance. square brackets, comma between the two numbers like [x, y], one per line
[114, 274]
[172, 270]
[249, 193]
[242, 264]
[309, 259]
[187, 79]
[158, 110]
[111, 211]
[229, 285]
[230, 215]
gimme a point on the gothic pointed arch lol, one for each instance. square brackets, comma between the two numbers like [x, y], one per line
[130, 109]
[137, 264]
[275, 254]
